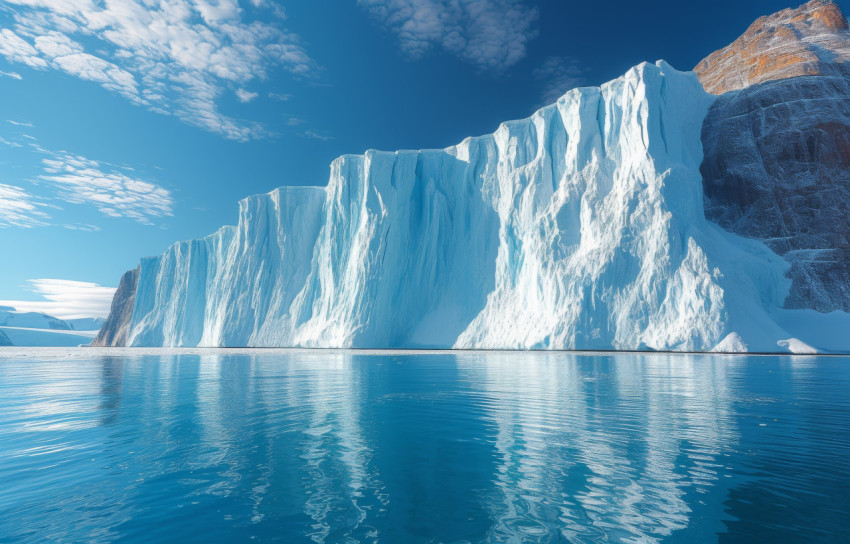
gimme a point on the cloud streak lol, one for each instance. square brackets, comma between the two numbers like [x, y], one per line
[313, 135]
[175, 57]
[66, 299]
[489, 34]
[84, 181]
[18, 208]
[68, 178]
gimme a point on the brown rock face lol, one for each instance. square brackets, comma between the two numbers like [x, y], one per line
[813, 39]
[777, 169]
[114, 331]
[776, 146]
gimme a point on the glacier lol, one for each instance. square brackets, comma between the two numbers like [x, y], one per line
[581, 227]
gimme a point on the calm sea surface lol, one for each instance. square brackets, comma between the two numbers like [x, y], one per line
[326, 446]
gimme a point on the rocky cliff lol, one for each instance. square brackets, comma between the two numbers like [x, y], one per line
[777, 169]
[114, 331]
[777, 153]
[811, 40]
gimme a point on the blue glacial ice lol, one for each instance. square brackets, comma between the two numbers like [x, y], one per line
[581, 227]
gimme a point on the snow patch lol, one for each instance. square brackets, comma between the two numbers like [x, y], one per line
[733, 343]
[794, 345]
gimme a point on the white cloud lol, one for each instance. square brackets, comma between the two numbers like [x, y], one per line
[312, 134]
[558, 75]
[66, 178]
[4, 141]
[245, 96]
[16, 49]
[113, 193]
[19, 123]
[66, 299]
[19, 208]
[172, 56]
[82, 227]
[13, 75]
[283, 97]
[490, 34]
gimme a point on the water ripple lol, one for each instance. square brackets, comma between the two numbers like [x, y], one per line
[312, 446]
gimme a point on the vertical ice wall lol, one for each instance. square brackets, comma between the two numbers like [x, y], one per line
[580, 227]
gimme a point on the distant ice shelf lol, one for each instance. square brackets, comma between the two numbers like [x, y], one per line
[581, 227]
[19, 328]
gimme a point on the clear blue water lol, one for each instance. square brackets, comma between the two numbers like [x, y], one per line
[306, 446]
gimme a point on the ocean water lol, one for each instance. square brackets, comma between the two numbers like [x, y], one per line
[348, 446]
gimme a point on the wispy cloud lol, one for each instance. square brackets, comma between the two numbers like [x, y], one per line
[4, 141]
[245, 96]
[489, 34]
[558, 75]
[66, 299]
[18, 208]
[84, 181]
[69, 178]
[13, 75]
[282, 97]
[312, 134]
[172, 56]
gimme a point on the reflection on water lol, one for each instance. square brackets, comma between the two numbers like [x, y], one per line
[622, 451]
[311, 446]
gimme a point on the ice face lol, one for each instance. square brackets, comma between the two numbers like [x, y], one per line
[581, 227]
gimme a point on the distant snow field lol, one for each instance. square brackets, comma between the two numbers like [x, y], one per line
[42, 330]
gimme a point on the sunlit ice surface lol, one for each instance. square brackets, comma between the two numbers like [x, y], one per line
[108, 445]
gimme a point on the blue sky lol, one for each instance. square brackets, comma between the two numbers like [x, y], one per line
[128, 125]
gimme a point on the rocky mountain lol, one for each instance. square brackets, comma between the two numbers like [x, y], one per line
[777, 153]
[811, 40]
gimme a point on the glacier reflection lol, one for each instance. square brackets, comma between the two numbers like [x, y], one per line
[610, 450]
[305, 435]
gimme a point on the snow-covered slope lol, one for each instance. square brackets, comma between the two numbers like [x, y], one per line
[10, 317]
[31, 337]
[85, 323]
[37, 329]
[580, 227]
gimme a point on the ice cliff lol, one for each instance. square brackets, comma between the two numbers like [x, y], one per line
[581, 227]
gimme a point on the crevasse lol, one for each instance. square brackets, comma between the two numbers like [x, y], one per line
[581, 227]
